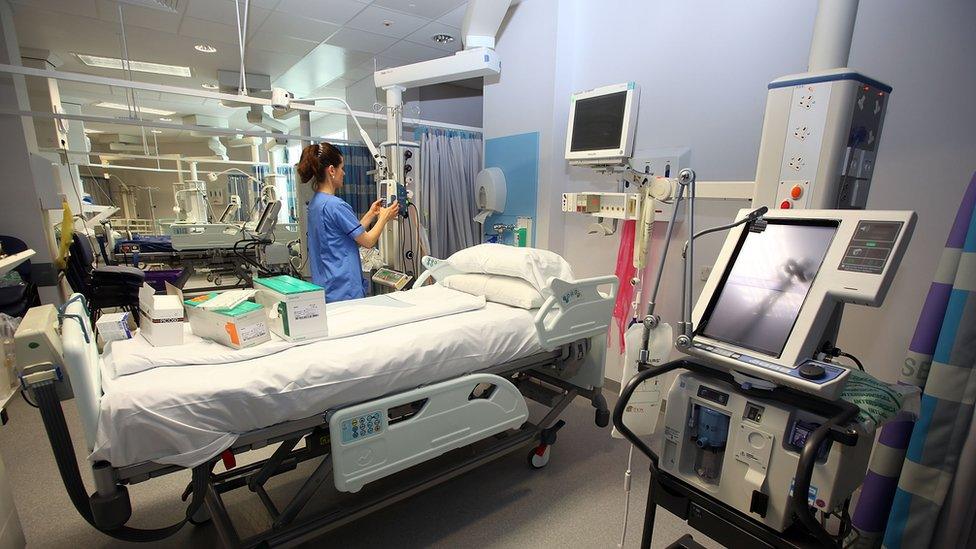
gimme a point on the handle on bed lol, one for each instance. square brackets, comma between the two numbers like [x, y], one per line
[438, 269]
[575, 310]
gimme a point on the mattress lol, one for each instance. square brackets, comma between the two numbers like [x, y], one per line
[186, 415]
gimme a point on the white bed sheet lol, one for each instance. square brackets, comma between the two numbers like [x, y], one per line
[186, 415]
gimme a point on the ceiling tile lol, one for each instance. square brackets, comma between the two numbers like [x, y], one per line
[454, 18]
[374, 19]
[222, 11]
[280, 44]
[85, 8]
[332, 11]
[423, 35]
[322, 65]
[266, 4]
[136, 16]
[358, 40]
[429, 9]
[273, 64]
[208, 30]
[306, 29]
[357, 73]
[409, 52]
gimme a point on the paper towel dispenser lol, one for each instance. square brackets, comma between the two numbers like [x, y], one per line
[490, 193]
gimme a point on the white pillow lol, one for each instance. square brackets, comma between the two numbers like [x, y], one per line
[497, 288]
[535, 266]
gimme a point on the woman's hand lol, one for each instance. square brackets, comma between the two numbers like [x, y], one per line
[389, 213]
[375, 207]
[372, 213]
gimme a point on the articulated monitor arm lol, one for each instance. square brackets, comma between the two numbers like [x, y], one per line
[382, 167]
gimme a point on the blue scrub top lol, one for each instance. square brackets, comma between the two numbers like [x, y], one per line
[334, 254]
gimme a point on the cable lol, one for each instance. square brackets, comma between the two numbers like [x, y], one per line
[854, 358]
[23, 393]
[627, 482]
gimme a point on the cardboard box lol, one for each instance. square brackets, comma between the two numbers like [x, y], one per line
[115, 326]
[160, 317]
[296, 308]
[242, 326]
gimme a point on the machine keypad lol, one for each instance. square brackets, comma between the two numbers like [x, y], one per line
[362, 426]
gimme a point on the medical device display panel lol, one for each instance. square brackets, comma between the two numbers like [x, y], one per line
[601, 125]
[778, 289]
[598, 122]
[757, 306]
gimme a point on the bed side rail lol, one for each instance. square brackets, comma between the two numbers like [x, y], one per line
[81, 363]
[576, 310]
[375, 439]
[437, 269]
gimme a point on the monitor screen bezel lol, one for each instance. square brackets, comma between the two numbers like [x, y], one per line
[615, 155]
[713, 299]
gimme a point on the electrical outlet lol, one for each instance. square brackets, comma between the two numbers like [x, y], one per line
[705, 272]
[664, 161]
[801, 133]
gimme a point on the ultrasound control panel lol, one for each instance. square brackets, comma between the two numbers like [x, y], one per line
[870, 248]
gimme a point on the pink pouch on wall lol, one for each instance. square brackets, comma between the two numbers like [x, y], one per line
[625, 272]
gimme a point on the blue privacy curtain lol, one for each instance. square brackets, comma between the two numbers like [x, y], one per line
[358, 189]
[247, 190]
[449, 162]
[933, 503]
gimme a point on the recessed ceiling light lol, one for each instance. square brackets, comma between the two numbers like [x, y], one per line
[89, 130]
[165, 119]
[205, 48]
[156, 131]
[143, 110]
[387, 23]
[138, 66]
[210, 86]
[442, 38]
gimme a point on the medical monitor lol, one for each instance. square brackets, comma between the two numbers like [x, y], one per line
[771, 273]
[269, 218]
[601, 125]
[778, 288]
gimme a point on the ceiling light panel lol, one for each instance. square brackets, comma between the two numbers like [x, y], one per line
[143, 110]
[137, 66]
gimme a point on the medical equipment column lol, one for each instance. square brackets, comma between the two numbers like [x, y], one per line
[390, 240]
[833, 31]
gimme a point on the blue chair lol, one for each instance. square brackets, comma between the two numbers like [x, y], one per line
[105, 287]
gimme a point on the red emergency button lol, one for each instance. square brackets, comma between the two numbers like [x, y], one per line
[785, 205]
[796, 192]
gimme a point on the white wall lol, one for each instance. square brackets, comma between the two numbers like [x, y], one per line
[703, 69]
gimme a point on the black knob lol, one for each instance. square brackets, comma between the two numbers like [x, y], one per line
[812, 370]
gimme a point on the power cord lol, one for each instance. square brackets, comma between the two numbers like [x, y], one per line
[833, 351]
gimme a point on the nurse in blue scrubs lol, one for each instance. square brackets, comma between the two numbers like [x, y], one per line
[334, 233]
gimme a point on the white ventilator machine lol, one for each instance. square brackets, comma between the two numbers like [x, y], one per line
[739, 422]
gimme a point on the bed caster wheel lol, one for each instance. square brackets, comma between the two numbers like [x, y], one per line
[539, 456]
[602, 418]
[217, 281]
[210, 277]
[201, 517]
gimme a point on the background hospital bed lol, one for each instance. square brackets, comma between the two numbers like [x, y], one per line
[414, 425]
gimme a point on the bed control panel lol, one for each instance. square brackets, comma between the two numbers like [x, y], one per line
[362, 426]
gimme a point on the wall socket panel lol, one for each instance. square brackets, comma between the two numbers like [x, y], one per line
[662, 161]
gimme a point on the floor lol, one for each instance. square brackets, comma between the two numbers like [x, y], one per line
[576, 501]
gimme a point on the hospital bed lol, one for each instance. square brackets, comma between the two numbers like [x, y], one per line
[366, 407]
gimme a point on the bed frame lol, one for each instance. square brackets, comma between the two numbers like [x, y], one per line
[356, 444]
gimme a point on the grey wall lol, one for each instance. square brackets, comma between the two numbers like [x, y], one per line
[703, 69]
